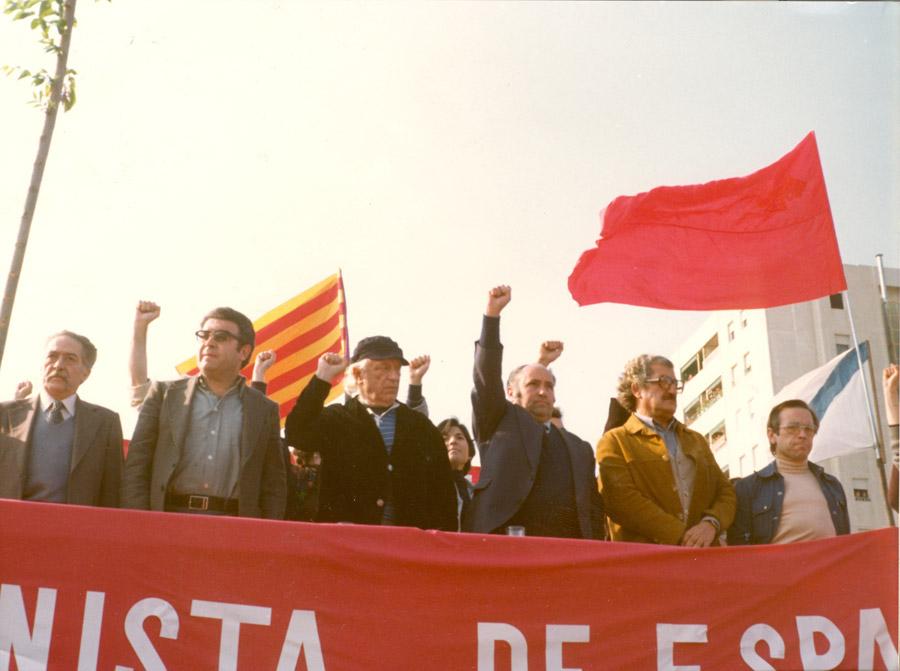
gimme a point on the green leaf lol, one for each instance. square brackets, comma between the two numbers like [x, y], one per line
[69, 97]
[24, 73]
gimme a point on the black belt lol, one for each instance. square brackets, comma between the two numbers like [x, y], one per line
[201, 504]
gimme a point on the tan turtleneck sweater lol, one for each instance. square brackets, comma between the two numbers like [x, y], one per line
[804, 513]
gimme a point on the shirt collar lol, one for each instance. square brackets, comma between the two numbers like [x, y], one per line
[68, 403]
[653, 425]
[394, 406]
[240, 382]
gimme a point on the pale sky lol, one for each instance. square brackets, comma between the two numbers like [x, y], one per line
[236, 152]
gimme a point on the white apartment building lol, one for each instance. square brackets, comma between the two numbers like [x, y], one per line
[736, 362]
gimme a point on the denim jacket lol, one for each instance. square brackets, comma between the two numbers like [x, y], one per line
[759, 500]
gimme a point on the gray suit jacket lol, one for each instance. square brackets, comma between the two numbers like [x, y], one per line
[158, 441]
[95, 471]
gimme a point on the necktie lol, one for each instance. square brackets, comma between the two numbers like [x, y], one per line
[56, 413]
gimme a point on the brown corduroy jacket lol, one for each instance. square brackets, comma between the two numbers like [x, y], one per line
[639, 490]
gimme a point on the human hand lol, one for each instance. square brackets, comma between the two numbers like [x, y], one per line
[418, 367]
[700, 535]
[498, 298]
[889, 380]
[145, 312]
[23, 390]
[330, 366]
[263, 362]
[549, 352]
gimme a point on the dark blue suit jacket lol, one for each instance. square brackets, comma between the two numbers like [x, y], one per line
[509, 445]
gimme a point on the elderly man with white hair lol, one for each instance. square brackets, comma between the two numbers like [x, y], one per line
[382, 463]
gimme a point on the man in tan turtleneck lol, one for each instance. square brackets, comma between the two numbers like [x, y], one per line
[791, 499]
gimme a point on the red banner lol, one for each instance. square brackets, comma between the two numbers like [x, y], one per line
[90, 589]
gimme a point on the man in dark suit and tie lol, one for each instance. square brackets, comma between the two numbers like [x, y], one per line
[209, 444]
[56, 447]
[533, 474]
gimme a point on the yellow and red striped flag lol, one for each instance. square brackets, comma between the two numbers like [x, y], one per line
[299, 330]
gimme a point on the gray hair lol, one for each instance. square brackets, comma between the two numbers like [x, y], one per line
[88, 350]
[637, 371]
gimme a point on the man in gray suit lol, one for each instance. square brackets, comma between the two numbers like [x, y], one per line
[209, 444]
[533, 474]
[56, 447]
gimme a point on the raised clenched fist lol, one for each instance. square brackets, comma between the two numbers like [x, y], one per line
[498, 298]
[263, 362]
[550, 351]
[146, 312]
[330, 366]
[418, 367]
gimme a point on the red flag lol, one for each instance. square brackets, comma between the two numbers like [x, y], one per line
[758, 241]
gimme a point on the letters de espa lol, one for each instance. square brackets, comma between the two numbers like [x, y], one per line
[29, 644]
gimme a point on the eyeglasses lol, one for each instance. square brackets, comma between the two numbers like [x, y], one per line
[793, 429]
[218, 336]
[667, 382]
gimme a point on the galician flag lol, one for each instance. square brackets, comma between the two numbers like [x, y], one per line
[835, 391]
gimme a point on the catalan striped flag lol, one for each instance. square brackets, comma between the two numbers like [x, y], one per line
[299, 331]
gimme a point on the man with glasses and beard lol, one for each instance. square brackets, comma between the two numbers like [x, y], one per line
[659, 480]
[209, 444]
[791, 499]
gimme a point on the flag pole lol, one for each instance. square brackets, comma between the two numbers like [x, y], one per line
[876, 441]
[892, 352]
[880, 460]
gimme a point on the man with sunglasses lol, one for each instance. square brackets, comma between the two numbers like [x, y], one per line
[209, 444]
[791, 499]
[659, 479]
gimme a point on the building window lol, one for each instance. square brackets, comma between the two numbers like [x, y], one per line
[837, 301]
[860, 494]
[716, 438]
[734, 375]
[841, 343]
[750, 414]
[754, 452]
[743, 320]
[747, 365]
[703, 402]
[730, 331]
[691, 368]
[696, 362]
[741, 466]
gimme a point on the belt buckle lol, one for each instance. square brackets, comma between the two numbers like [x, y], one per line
[202, 503]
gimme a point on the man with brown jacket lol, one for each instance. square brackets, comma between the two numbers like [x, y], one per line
[659, 480]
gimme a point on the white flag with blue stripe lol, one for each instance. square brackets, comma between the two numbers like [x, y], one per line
[835, 391]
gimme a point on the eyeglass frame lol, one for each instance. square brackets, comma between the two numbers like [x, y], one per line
[667, 382]
[220, 336]
[795, 428]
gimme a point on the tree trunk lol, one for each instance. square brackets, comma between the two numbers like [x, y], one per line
[37, 175]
